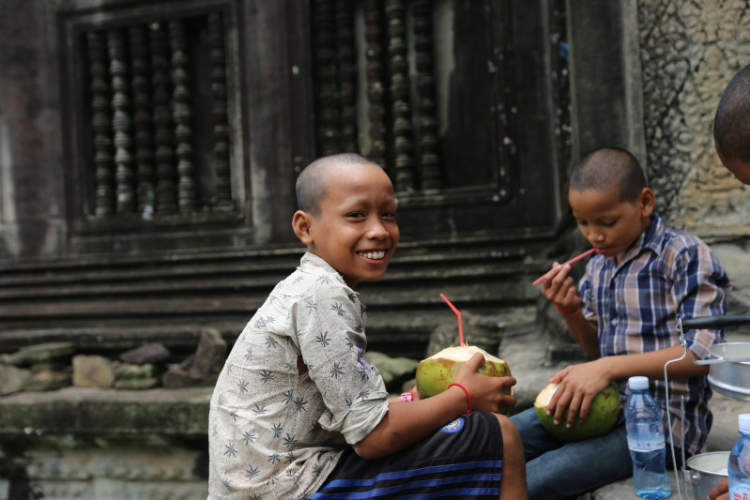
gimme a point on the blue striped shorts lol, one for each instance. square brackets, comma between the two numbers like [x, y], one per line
[463, 460]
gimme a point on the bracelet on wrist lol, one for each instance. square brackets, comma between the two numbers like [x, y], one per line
[563, 311]
[407, 396]
[468, 396]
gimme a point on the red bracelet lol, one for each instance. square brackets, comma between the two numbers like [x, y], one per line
[563, 311]
[468, 396]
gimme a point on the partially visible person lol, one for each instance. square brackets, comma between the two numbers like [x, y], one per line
[644, 278]
[732, 141]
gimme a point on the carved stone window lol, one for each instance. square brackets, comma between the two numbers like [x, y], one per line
[153, 138]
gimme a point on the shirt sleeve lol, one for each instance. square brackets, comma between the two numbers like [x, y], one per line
[699, 288]
[330, 331]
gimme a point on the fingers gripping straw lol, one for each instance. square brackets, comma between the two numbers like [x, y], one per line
[571, 261]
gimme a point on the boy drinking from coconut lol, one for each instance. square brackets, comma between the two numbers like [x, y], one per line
[644, 278]
[299, 413]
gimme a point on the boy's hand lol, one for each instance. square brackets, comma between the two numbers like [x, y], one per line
[559, 289]
[486, 392]
[578, 386]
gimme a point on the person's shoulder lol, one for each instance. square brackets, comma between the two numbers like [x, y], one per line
[683, 241]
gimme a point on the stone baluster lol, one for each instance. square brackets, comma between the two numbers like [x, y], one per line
[121, 121]
[399, 86]
[328, 98]
[101, 123]
[166, 190]
[181, 115]
[347, 74]
[375, 79]
[429, 157]
[220, 159]
[144, 152]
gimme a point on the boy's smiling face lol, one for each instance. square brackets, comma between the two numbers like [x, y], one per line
[355, 230]
[608, 223]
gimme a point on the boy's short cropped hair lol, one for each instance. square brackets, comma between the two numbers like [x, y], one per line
[732, 120]
[610, 167]
[310, 188]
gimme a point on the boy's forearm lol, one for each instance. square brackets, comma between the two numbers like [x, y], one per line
[651, 365]
[409, 422]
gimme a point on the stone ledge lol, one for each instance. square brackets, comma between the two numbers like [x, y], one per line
[106, 413]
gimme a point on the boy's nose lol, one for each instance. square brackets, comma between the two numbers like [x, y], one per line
[377, 230]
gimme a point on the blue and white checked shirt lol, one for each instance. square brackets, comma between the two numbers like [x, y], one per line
[665, 276]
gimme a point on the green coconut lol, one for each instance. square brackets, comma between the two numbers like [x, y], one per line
[435, 373]
[603, 415]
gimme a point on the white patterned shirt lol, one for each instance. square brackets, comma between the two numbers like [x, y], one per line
[295, 390]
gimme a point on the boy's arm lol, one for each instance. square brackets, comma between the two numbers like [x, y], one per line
[559, 289]
[580, 384]
[407, 423]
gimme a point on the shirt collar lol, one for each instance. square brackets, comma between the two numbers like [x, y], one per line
[651, 238]
[311, 262]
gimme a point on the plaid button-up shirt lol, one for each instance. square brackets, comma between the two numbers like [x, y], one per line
[664, 277]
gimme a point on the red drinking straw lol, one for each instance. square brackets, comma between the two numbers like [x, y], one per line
[571, 261]
[458, 313]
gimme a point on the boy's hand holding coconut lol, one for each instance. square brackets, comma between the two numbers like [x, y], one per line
[485, 379]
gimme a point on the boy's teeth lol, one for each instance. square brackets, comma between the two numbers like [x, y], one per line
[374, 255]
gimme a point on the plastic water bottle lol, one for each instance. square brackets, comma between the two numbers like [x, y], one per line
[646, 441]
[739, 462]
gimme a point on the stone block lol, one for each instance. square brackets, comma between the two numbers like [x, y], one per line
[201, 368]
[147, 353]
[47, 380]
[92, 371]
[395, 371]
[136, 384]
[12, 379]
[51, 352]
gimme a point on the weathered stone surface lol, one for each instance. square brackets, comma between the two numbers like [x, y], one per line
[50, 352]
[395, 371]
[106, 413]
[12, 379]
[92, 371]
[47, 380]
[147, 353]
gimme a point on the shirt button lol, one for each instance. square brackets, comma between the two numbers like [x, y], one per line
[613, 322]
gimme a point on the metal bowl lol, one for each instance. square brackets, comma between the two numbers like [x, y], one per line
[730, 378]
[706, 470]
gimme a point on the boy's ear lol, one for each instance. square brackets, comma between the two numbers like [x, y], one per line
[301, 222]
[647, 201]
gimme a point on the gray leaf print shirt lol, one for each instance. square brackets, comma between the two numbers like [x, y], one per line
[295, 389]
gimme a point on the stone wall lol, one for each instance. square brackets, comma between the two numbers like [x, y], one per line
[688, 52]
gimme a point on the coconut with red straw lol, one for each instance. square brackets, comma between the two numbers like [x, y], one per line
[437, 372]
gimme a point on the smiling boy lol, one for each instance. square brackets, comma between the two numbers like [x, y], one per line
[299, 413]
[644, 278]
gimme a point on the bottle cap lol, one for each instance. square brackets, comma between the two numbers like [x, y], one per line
[744, 421]
[638, 383]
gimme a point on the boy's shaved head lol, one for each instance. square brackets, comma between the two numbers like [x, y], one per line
[606, 168]
[311, 183]
[732, 120]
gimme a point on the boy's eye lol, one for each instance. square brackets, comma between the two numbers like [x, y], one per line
[582, 222]
[355, 215]
[608, 224]
[389, 215]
